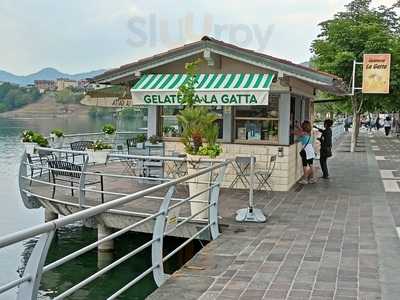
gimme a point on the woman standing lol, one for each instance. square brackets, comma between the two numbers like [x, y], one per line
[326, 147]
[307, 152]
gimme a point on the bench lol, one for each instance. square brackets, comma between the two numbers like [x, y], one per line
[69, 172]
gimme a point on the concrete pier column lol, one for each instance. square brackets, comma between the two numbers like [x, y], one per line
[102, 232]
[104, 259]
[49, 215]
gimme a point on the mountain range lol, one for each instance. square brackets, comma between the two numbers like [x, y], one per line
[44, 74]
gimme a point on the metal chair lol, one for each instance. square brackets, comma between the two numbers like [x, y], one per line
[264, 176]
[131, 144]
[176, 168]
[80, 146]
[241, 164]
[39, 162]
[154, 168]
[68, 172]
[136, 165]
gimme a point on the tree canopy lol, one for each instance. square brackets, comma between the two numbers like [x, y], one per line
[361, 29]
[13, 97]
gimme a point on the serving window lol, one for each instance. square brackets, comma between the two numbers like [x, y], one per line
[169, 122]
[257, 123]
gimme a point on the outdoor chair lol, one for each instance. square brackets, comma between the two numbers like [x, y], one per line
[241, 164]
[154, 168]
[131, 144]
[69, 172]
[79, 146]
[39, 162]
[176, 168]
[264, 176]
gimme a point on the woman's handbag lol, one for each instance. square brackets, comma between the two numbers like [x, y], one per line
[303, 153]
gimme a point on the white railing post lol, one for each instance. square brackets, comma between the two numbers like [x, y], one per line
[158, 235]
[34, 268]
[213, 209]
[82, 180]
[29, 202]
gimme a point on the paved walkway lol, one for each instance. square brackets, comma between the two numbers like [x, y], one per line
[336, 239]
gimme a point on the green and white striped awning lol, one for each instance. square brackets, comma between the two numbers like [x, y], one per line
[211, 89]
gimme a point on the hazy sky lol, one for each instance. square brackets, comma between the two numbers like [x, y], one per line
[75, 36]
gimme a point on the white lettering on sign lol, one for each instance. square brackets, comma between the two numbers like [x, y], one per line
[203, 98]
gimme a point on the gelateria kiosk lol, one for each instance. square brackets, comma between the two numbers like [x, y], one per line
[259, 99]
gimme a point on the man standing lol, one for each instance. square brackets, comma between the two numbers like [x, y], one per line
[326, 147]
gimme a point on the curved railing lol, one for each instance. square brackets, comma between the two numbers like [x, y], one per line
[165, 221]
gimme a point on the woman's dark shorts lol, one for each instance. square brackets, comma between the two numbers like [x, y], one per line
[307, 162]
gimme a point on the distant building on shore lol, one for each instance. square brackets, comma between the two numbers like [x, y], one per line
[63, 83]
[45, 85]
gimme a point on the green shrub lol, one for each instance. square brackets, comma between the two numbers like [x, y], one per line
[109, 129]
[99, 145]
[141, 138]
[57, 132]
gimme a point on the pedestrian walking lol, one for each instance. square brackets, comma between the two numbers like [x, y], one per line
[347, 124]
[307, 152]
[388, 125]
[326, 147]
[377, 123]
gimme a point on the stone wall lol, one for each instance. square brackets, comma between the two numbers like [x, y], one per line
[287, 170]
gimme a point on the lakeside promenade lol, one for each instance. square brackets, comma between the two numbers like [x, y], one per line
[336, 239]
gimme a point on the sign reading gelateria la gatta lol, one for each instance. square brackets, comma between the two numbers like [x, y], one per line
[213, 98]
[376, 74]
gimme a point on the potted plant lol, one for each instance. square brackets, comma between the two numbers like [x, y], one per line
[168, 131]
[40, 140]
[57, 138]
[30, 139]
[109, 132]
[140, 139]
[98, 152]
[198, 126]
[154, 140]
[27, 139]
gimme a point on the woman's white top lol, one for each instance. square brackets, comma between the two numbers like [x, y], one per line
[387, 124]
[310, 153]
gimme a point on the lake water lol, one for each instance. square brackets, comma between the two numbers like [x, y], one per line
[14, 216]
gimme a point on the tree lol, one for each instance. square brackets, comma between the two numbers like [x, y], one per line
[347, 37]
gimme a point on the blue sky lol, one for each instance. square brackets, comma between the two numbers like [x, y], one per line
[76, 36]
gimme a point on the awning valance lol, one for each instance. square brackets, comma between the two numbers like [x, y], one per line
[211, 89]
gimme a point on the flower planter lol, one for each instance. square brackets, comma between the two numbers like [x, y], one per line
[140, 145]
[110, 138]
[29, 148]
[198, 184]
[99, 156]
[56, 142]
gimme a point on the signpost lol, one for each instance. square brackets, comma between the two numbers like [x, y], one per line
[376, 74]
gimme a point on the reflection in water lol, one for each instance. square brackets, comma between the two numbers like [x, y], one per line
[72, 238]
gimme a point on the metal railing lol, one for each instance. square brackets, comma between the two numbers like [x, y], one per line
[337, 132]
[117, 139]
[165, 221]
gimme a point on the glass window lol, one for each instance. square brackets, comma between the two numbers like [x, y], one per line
[257, 123]
[169, 123]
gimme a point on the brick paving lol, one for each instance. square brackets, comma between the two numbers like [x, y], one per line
[333, 240]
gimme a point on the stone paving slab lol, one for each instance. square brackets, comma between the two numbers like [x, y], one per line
[336, 239]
